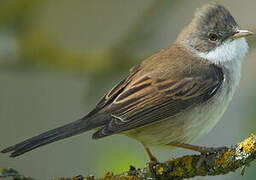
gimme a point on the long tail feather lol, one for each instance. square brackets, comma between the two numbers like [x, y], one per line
[59, 133]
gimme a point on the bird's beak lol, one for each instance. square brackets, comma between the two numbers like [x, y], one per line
[241, 33]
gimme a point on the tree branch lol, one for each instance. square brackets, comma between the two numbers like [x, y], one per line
[211, 164]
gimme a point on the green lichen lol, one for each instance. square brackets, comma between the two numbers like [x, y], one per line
[159, 170]
[108, 176]
[248, 145]
[224, 160]
[187, 162]
[177, 172]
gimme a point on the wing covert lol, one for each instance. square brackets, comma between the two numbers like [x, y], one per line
[149, 99]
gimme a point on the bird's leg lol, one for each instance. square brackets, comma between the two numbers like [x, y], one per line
[153, 161]
[201, 149]
[151, 156]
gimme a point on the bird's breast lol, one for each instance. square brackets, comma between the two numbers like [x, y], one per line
[191, 124]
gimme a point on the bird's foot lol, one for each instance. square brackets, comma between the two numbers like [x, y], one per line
[153, 160]
[202, 149]
[206, 151]
[152, 164]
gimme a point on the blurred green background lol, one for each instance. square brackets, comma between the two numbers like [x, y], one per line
[57, 58]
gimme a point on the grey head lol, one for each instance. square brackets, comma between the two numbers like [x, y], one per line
[211, 26]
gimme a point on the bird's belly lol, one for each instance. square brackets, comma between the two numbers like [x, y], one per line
[186, 126]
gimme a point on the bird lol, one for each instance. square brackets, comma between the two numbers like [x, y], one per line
[174, 96]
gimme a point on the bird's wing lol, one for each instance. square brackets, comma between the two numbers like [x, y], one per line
[135, 103]
[115, 91]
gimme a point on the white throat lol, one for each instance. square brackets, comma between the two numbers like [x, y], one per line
[227, 52]
[229, 56]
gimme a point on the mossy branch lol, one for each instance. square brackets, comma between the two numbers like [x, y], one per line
[213, 163]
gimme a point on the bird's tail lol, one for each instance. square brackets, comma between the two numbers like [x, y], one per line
[59, 133]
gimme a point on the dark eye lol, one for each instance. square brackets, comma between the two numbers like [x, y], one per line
[213, 37]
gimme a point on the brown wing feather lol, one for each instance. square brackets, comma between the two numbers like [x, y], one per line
[114, 92]
[148, 99]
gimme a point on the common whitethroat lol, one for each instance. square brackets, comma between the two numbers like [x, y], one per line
[173, 97]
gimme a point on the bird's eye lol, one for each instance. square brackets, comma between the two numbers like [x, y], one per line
[213, 37]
